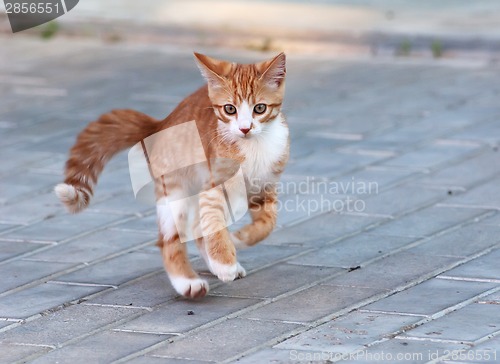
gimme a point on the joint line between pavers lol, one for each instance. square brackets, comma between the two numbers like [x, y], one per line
[434, 340]
[83, 284]
[33, 241]
[217, 321]
[64, 241]
[394, 313]
[468, 279]
[270, 342]
[225, 318]
[477, 207]
[77, 267]
[35, 345]
[116, 306]
[280, 321]
[93, 332]
[487, 337]
[386, 294]
[447, 310]
[148, 332]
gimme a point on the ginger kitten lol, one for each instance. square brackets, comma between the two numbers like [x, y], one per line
[238, 117]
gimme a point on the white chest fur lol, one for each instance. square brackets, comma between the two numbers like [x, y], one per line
[264, 150]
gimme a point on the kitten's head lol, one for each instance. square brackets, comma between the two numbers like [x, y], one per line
[245, 97]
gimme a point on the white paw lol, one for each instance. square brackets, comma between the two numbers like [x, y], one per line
[190, 287]
[226, 272]
[238, 243]
[241, 271]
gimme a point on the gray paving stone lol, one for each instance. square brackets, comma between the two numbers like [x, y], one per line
[103, 347]
[113, 181]
[494, 297]
[486, 352]
[260, 255]
[348, 333]
[10, 249]
[143, 224]
[5, 227]
[430, 297]
[275, 280]
[354, 251]
[426, 222]
[403, 352]
[174, 318]
[94, 246]
[211, 342]
[297, 207]
[401, 199]
[307, 143]
[463, 242]
[53, 165]
[61, 227]
[487, 132]
[33, 300]
[162, 360]
[492, 220]
[274, 356]
[157, 286]
[464, 174]
[414, 133]
[467, 324]
[393, 271]
[17, 185]
[312, 303]
[322, 229]
[20, 272]
[14, 159]
[116, 270]
[27, 211]
[12, 353]
[484, 267]
[330, 164]
[69, 323]
[6, 322]
[432, 156]
[123, 204]
[382, 176]
[484, 196]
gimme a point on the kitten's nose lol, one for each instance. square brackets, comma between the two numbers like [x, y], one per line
[244, 131]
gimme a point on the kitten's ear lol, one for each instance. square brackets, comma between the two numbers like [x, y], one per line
[213, 70]
[273, 72]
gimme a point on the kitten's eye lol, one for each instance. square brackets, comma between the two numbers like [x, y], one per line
[260, 108]
[230, 109]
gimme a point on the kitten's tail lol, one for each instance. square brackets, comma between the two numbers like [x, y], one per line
[94, 147]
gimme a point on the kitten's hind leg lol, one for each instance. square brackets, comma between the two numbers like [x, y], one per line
[264, 214]
[174, 252]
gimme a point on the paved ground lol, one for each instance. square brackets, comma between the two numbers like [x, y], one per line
[405, 151]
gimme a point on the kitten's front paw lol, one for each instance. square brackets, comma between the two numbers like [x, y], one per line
[227, 272]
[190, 287]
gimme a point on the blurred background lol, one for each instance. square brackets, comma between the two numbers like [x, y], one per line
[442, 28]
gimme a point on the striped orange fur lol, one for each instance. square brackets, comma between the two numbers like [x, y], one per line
[238, 116]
